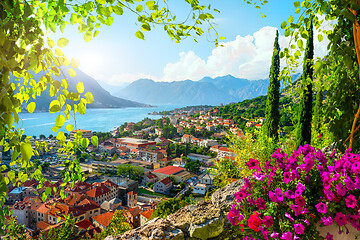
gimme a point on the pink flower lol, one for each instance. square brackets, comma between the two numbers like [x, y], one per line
[321, 208]
[287, 177]
[299, 228]
[327, 221]
[297, 209]
[340, 219]
[286, 236]
[350, 201]
[329, 236]
[349, 184]
[329, 194]
[259, 176]
[260, 203]
[253, 164]
[300, 201]
[289, 194]
[279, 195]
[340, 189]
[267, 221]
[289, 217]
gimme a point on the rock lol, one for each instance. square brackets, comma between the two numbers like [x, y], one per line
[224, 197]
[209, 229]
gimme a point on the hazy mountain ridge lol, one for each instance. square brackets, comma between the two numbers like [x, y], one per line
[210, 91]
[102, 98]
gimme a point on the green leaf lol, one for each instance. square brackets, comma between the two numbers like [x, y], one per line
[75, 63]
[297, 4]
[297, 11]
[31, 107]
[24, 177]
[89, 97]
[150, 4]
[61, 136]
[80, 87]
[62, 42]
[291, 19]
[139, 8]
[95, 141]
[88, 36]
[300, 43]
[146, 27]
[101, 1]
[72, 72]
[320, 37]
[50, 43]
[69, 127]
[283, 25]
[26, 151]
[140, 35]
[222, 38]
[84, 142]
[60, 120]
[58, 52]
[54, 106]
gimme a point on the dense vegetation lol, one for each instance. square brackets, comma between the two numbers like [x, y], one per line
[254, 109]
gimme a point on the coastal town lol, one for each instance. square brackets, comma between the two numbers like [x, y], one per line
[172, 157]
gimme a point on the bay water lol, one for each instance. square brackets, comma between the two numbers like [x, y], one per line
[95, 119]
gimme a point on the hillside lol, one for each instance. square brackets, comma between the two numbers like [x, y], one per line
[102, 98]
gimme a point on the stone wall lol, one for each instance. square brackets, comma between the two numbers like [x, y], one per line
[205, 220]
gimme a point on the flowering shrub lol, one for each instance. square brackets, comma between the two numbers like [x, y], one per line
[286, 198]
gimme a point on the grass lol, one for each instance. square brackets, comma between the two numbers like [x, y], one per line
[144, 191]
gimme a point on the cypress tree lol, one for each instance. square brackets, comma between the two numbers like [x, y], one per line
[305, 111]
[318, 109]
[272, 115]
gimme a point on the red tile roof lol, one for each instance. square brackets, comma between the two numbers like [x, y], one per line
[169, 170]
[97, 191]
[43, 225]
[87, 205]
[81, 130]
[30, 183]
[110, 183]
[42, 208]
[85, 224]
[135, 211]
[166, 181]
[147, 214]
[151, 176]
[225, 149]
[104, 219]
[61, 210]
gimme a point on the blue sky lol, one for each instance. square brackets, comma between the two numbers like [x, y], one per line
[116, 56]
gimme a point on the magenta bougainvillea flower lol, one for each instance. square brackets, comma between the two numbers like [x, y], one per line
[289, 217]
[350, 201]
[259, 176]
[329, 195]
[321, 208]
[349, 184]
[299, 228]
[287, 177]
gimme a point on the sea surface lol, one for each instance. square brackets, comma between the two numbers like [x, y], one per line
[98, 120]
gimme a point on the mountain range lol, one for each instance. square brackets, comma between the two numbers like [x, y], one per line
[207, 91]
[102, 98]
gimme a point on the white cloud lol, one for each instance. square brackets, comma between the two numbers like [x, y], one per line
[245, 57]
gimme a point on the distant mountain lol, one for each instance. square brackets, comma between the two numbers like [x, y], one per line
[210, 91]
[102, 98]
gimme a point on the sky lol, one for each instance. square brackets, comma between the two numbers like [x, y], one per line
[116, 57]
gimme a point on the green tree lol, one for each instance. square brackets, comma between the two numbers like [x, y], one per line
[318, 113]
[305, 113]
[168, 150]
[167, 207]
[117, 226]
[272, 115]
[133, 172]
[114, 157]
